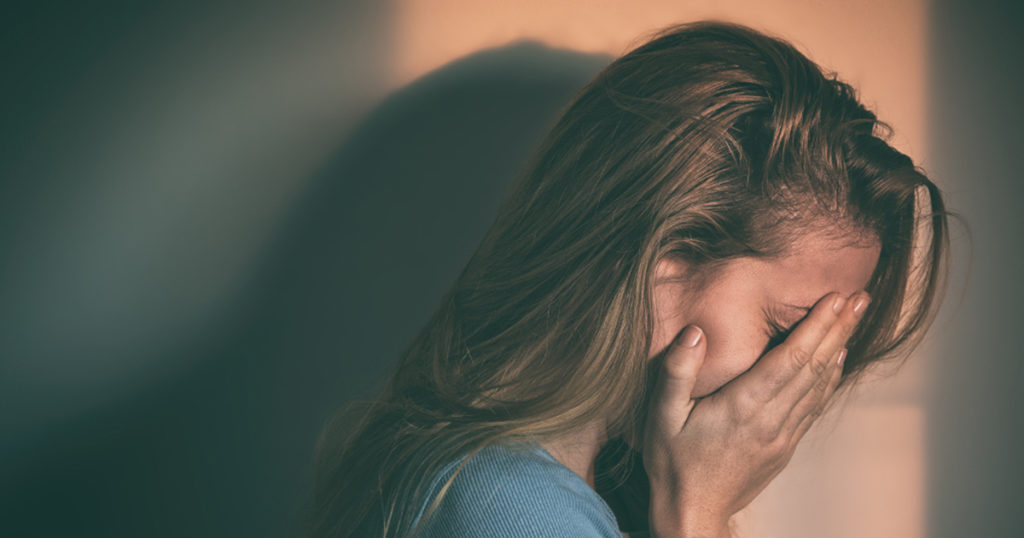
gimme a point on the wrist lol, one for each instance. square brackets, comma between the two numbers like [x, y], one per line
[673, 522]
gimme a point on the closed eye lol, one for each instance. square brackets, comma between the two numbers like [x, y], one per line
[776, 334]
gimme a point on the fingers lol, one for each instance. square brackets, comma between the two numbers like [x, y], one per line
[671, 403]
[847, 323]
[819, 367]
[809, 409]
[768, 376]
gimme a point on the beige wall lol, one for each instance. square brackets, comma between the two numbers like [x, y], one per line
[863, 474]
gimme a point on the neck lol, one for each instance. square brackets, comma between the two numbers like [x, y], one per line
[578, 450]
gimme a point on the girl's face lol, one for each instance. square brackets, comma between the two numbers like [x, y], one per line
[741, 306]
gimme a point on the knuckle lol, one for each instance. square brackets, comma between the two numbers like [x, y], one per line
[767, 435]
[676, 369]
[779, 445]
[813, 416]
[744, 409]
[776, 382]
[788, 454]
[799, 356]
[819, 367]
[822, 383]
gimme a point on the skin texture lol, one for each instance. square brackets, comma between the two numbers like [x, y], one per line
[736, 307]
[730, 405]
[708, 457]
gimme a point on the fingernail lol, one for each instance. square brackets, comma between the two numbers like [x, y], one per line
[842, 356]
[691, 336]
[861, 304]
[837, 304]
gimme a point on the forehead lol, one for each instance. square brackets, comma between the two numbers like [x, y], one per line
[816, 266]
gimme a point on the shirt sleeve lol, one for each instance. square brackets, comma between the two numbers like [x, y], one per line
[501, 493]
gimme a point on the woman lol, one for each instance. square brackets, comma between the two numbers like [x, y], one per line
[682, 278]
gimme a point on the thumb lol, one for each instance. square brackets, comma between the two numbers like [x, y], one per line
[671, 402]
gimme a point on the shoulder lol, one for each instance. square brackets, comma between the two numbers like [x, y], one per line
[518, 491]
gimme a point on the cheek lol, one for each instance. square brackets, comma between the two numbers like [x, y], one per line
[730, 321]
[731, 351]
[670, 316]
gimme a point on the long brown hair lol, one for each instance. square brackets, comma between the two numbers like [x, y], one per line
[709, 142]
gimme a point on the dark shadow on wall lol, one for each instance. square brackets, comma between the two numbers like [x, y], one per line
[225, 448]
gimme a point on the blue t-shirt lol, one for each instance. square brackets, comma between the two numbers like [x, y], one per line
[516, 492]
